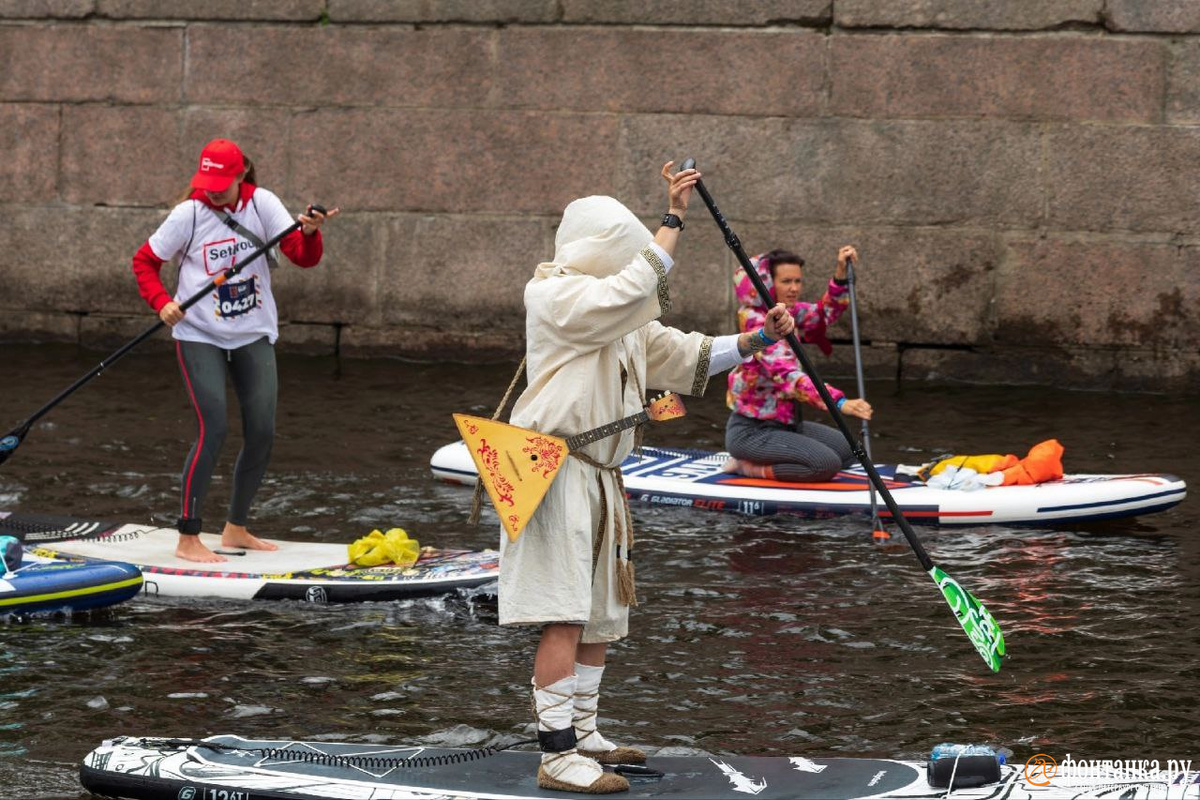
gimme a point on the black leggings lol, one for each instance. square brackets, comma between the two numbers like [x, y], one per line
[252, 368]
[816, 452]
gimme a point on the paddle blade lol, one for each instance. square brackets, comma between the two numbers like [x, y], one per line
[515, 465]
[665, 407]
[977, 621]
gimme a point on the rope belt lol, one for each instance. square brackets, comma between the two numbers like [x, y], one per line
[622, 529]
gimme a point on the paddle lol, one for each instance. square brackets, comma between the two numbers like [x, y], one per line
[877, 530]
[14, 438]
[980, 626]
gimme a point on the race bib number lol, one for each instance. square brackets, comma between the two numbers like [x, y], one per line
[235, 299]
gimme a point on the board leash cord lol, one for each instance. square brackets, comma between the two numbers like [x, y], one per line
[366, 761]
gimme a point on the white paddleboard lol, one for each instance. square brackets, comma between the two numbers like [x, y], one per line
[694, 479]
[312, 571]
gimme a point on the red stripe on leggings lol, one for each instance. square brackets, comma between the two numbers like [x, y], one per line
[187, 481]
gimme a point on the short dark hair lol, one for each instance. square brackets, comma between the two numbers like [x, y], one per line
[776, 257]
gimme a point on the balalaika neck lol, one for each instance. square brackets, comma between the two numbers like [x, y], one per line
[604, 431]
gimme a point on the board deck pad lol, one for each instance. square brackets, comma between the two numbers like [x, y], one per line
[149, 769]
[696, 479]
[313, 571]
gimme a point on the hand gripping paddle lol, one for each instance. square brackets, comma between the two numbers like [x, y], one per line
[980, 626]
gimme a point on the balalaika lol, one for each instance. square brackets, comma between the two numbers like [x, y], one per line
[517, 465]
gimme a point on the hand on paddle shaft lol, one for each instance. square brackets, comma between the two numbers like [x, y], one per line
[978, 623]
[12, 440]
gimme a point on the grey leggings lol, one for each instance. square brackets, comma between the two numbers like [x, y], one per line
[252, 368]
[815, 452]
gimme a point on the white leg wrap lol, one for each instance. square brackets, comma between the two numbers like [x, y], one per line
[587, 701]
[553, 706]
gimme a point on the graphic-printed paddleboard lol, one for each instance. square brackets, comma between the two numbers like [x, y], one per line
[51, 584]
[313, 571]
[237, 768]
[694, 478]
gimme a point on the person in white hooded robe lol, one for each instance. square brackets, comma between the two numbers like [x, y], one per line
[593, 349]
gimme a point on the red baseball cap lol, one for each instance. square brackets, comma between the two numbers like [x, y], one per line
[221, 163]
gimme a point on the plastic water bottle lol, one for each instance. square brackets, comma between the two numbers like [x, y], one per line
[948, 750]
[969, 764]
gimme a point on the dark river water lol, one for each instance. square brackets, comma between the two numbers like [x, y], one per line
[755, 635]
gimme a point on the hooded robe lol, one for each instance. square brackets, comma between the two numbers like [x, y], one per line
[593, 349]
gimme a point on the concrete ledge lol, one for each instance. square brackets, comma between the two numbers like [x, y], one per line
[1022, 15]
[428, 344]
[1106, 369]
[1154, 16]
[21, 325]
[234, 10]
[679, 13]
[46, 9]
[507, 12]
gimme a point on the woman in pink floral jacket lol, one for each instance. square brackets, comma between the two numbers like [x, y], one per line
[765, 435]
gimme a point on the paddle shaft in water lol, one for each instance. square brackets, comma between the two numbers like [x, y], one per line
[13, 439]
[976, 621]
[858, 369]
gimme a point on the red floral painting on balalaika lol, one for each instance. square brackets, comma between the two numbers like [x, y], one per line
[490, 459]
[545, 452]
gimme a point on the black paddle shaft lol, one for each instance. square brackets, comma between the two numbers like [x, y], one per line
[858, 370]
[13, 440]
[735, 245]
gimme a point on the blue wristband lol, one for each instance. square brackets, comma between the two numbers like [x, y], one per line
[841, 403]
[767, 340]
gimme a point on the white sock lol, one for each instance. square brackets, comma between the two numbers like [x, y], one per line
[554, 705]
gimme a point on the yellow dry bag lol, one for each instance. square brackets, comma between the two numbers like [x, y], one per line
[393, 547]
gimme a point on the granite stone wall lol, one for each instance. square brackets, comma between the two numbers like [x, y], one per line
[1020, 177]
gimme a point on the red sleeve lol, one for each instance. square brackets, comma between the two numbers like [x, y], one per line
[146, 268]
[303, 251]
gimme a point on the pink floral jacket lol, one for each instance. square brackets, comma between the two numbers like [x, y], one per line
[769, 386]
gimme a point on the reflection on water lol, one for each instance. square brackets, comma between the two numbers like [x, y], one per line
[756, 635]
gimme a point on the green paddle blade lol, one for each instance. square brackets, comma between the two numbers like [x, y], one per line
[976, 620]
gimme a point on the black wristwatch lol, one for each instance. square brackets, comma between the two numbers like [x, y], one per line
[670, 220]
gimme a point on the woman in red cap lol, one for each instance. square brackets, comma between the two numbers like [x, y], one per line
[230, 332]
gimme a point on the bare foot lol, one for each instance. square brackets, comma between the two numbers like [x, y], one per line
[190, 548]
[730, 465]
[238, 536]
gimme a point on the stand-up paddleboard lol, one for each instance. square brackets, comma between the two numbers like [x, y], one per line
[233, 768]
[42, 584]
[316, 572]
[694, 478]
